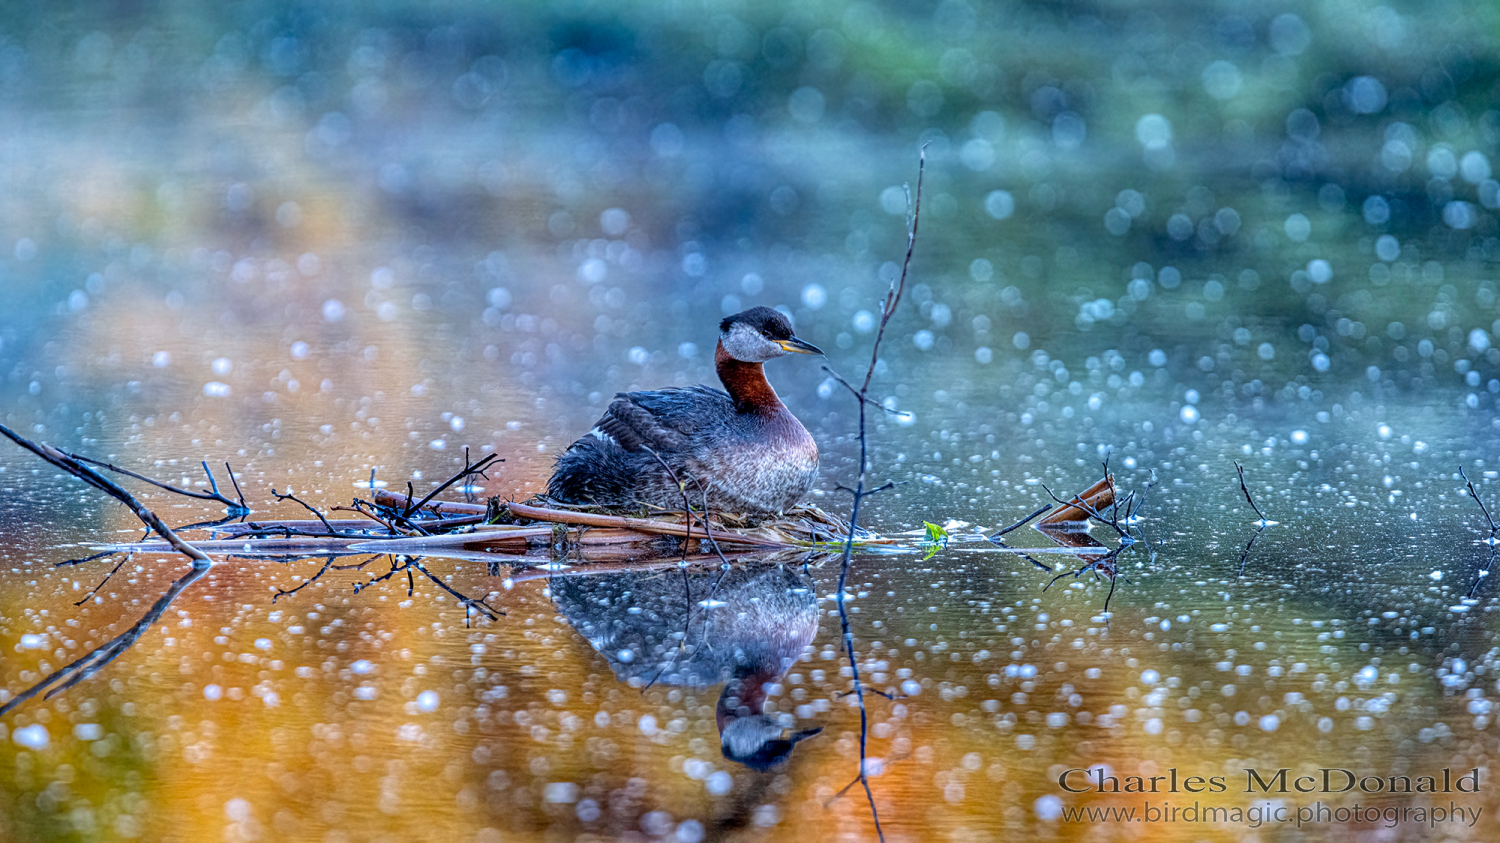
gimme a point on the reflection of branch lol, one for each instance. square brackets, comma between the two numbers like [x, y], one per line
[112, 572]
[327, 566]
[407, 564]
[1106, 563]
[91, 662]
[1483, 573]
[94, 660]
[1246, 554]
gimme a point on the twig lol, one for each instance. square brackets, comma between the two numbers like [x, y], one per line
[291, 497]
[856, 393]
[358, 507]
[1019, 524]
[211, 495]
[1474, 493]
[237, 493]
[687, 507]
[468, 471]
[1130, 514]
[1263, 519]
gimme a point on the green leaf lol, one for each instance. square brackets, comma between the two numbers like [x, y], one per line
[937, 539]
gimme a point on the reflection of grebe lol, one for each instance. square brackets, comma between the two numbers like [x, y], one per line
[744, 446]
[653, 627]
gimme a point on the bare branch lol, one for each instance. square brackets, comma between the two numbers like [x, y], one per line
[1019, 524]
[75, 467]
[1246, 489]
[468, 471]
[305, 505]
[1474, 493]
[212, 495]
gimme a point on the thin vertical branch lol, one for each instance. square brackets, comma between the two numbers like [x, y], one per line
[887, 310]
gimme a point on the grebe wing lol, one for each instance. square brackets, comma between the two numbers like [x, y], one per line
[663, 419]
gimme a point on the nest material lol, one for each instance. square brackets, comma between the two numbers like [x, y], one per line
[802, 526]
[452, 528]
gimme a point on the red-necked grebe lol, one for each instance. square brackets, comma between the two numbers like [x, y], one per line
[743, 445]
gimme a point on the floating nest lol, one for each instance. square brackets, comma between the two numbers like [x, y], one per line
[391, 523]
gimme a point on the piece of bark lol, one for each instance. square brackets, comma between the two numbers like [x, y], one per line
[1098, 497]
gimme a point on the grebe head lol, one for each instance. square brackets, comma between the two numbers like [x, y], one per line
[759, 334]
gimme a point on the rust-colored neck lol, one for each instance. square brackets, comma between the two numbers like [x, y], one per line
[746, 383]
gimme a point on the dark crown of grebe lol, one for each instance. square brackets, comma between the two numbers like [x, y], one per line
[760, 334]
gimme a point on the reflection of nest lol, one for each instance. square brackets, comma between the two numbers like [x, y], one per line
[694, 629]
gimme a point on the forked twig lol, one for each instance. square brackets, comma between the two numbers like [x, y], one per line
[288, 496]
[238, 506]
[469, 470]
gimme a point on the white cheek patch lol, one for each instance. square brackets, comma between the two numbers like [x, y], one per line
[745, 343]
